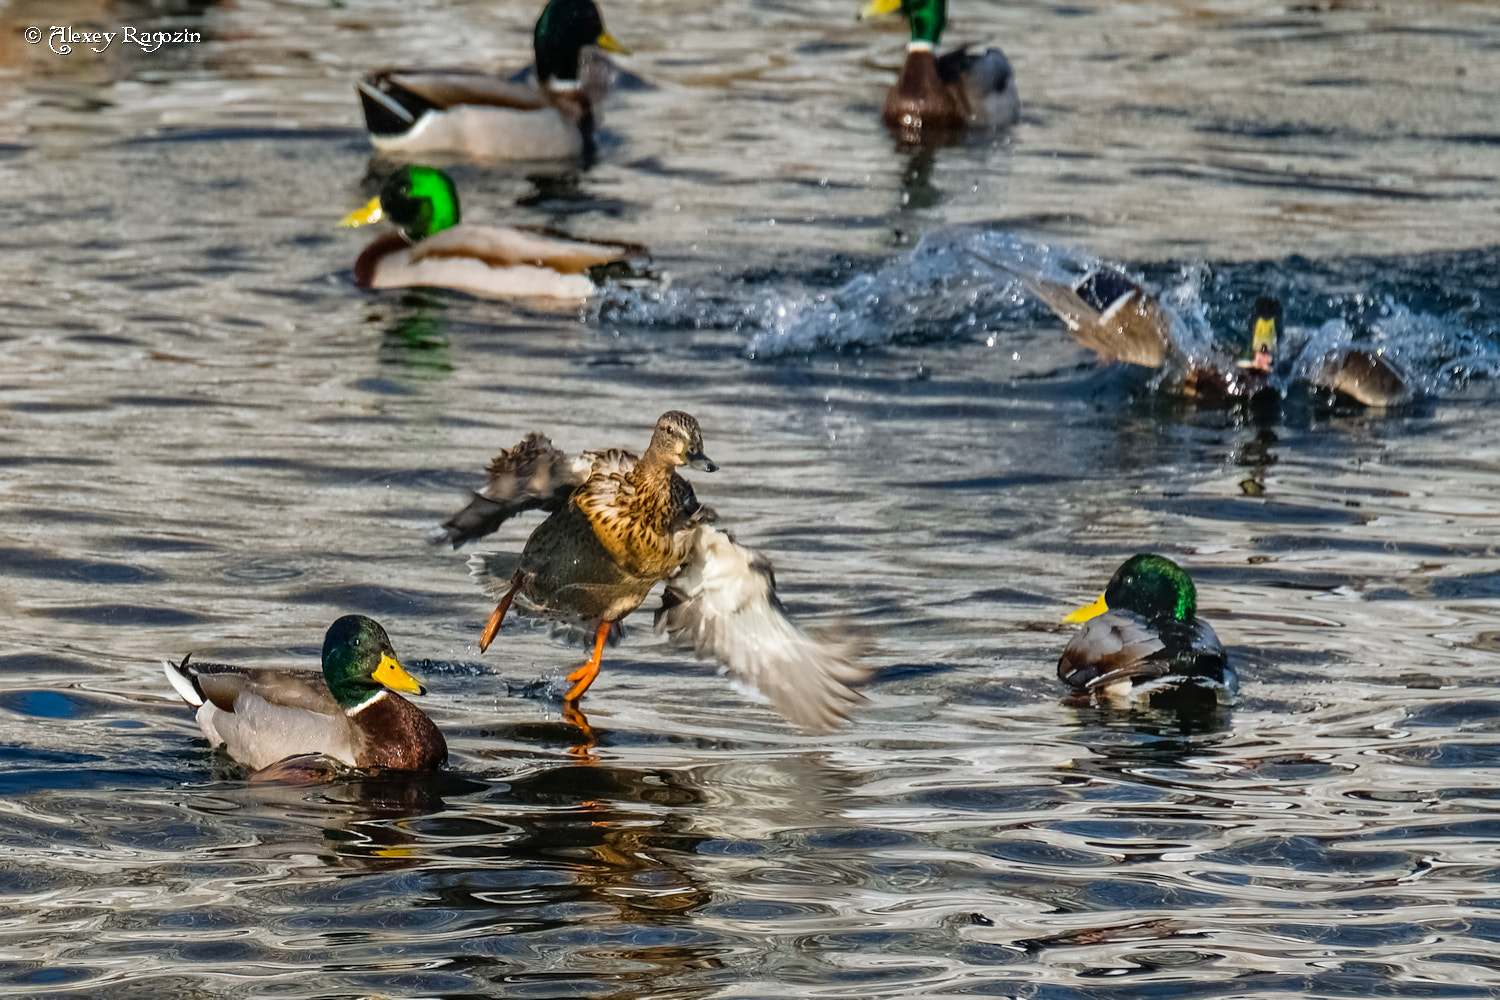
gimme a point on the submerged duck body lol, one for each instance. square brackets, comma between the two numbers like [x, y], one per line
[350, 712]
[937, 96]
[434, 248]
[620, 524]
[1143, 638]
[545, 115]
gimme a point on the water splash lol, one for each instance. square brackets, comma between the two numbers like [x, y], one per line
[1433, 315]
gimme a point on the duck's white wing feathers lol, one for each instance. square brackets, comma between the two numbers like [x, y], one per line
[722, 605]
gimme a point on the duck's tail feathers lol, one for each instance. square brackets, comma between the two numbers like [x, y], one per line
[723, 606]
[389, 110]
[184, 680]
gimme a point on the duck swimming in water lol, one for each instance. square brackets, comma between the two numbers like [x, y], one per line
[619, 524]
[550, 116]
[1143, 637]
[351, 712]
[1110, 314]
[944, 96]
[434, 247]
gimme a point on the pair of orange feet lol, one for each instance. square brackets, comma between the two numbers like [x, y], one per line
[580, 678]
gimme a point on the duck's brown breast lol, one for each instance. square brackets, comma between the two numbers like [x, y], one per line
[920, 99]
[397, 734]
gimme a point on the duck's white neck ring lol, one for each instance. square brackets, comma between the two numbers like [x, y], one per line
[352, 712]
[563, 84]
[919, 46]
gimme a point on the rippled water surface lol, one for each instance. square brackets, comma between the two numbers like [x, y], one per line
[210, 441]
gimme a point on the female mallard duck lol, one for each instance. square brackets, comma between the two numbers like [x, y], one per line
[1143, 637]
[350, 713]
[618, 525]
[434, 248]
[935, 95]
[465, 111]
[1110, 314]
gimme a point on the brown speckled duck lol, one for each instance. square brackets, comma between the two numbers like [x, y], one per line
[621, 524]
[351, 712]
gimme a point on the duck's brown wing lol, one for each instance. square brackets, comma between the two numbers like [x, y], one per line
[224, 684]
[1372, 379]
[1114, 647]
[1106, 313]
[500, 246]
[533, 475]
[723, 606]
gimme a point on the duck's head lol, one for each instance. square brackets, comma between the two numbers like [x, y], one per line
[1153, 587]
[562, 30]
[1265, 333]
[927, 18]
[679, 440]
[419, 201]
[358, 662]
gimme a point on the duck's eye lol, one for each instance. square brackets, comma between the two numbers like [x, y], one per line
[359, 642]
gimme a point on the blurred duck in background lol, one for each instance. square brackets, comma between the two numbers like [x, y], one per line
[542, 114]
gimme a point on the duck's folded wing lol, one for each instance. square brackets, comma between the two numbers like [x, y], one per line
[534, 474]
[1372, 379]
[447, 88]
[1113, 647]
[498, 246]
[723, 606]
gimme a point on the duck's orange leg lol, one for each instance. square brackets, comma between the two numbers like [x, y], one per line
[584, 675]
[492, 626]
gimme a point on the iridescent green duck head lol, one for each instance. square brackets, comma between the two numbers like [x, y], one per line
[1265, 333]
[359, 663]
[1151, 586]
[927, 18]
[562, 30]
[419, 201]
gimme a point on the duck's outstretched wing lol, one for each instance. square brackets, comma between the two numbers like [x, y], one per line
[1106, 313]
[723, 606]
[1372, 379]
[533, 475]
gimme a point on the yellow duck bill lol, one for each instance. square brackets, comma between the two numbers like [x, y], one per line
[1083, 614]
[391, 674]
[364, 216]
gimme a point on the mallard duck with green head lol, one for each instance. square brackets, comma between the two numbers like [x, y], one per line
[945, 95]
[617, 526]
[350, 712]
[433, 247]
[1109, 313]
[1143, 637]
[552, 116]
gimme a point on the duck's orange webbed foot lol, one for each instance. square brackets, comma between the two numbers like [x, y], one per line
[492, 626]
[584, 675]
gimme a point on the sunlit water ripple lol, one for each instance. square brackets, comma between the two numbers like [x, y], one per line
[211, 442]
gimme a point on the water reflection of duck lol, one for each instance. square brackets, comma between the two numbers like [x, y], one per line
[948, 94]
[351, 712]
[1114, 317]
[1144, 638]
[618, 525]
[433, 247]
[465, 111]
